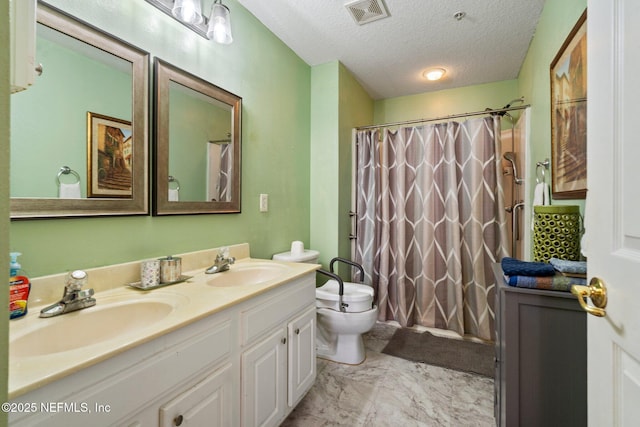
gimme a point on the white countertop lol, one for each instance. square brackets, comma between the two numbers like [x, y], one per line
[192, 300]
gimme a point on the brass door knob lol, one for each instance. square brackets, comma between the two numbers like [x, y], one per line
[597, 291]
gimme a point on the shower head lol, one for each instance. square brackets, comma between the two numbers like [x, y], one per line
[502, 113]
[510, 156]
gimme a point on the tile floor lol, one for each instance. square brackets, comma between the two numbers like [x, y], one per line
[389, 391]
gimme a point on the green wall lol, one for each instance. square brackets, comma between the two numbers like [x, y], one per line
[338, 104]
[554, 26]
[446, 102]
[275, 86]
[55, 109]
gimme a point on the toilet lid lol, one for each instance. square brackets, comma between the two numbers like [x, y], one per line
[353, 292]
[307, 255]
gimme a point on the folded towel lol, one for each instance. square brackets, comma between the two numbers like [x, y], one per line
[551, 283]
[515, 267]
[174, 195]
[69, 191]
[567, 266]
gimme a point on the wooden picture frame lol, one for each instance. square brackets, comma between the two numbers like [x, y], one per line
[109, 157]
[568, 77]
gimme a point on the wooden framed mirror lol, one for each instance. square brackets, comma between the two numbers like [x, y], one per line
[197, 144]
[79, 135]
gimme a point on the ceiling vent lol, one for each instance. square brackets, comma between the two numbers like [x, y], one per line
[365, 11]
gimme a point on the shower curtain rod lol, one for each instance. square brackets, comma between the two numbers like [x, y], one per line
[453, 116]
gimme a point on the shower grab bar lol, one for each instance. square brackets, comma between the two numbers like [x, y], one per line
[515, 224]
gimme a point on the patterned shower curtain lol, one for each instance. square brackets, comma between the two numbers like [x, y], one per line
[430, 222]
[226, 173]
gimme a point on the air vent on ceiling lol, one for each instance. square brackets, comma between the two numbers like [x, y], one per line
[365, 11]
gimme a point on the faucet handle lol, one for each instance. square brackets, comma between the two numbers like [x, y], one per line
[76, 280]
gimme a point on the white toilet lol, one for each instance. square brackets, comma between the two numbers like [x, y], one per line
[339, 332]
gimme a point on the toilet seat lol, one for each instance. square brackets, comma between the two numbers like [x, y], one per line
[357, 297]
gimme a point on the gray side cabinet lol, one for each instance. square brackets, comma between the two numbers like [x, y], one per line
[541, 357]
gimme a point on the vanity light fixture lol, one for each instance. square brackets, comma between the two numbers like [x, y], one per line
[434, 74]
[216, 27]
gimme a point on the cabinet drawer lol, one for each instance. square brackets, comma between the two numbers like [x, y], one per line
[274, 309]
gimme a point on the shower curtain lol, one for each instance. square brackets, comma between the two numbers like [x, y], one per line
[226, 173]
[430, 222]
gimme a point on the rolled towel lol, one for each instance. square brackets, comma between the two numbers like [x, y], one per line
[515, 267]
[567, 266]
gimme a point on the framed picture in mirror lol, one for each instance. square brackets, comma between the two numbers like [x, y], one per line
[110, 156]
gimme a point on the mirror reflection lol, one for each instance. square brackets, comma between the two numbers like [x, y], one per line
[78, 135]
[200, 148]
[197, 145]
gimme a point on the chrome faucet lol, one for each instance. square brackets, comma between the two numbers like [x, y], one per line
[222, 262]
[74, 298]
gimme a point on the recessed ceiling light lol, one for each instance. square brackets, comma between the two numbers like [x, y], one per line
[434, 74]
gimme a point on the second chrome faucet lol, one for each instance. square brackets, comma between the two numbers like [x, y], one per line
[222, 262]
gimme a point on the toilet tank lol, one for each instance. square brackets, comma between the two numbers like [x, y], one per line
[307, 256]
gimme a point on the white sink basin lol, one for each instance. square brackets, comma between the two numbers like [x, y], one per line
[251, 273]
[105, 321]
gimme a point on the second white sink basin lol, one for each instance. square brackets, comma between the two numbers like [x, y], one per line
[103, 322]
[251, 273]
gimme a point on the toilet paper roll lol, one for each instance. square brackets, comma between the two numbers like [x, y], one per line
[150, 273]
[297, 247]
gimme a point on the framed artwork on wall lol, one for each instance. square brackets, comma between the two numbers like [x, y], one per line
[109, 156]
[569, 115]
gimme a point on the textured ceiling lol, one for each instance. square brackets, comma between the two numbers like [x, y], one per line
[388, 56]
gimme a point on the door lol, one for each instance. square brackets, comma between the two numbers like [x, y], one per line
[302, 355]
[264, 381]
[613, 209]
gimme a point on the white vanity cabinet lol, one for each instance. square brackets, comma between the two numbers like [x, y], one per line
[132, 388]
[278, 358]
[248, 364]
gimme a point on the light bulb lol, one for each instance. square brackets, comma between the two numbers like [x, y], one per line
[434, 74]
[188, 11]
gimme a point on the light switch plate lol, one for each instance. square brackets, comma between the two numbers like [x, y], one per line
[264, 202]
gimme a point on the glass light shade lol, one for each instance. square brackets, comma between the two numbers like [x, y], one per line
[219, 28]
[434, 74]
[188, 11]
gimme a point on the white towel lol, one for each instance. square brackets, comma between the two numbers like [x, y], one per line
[541, 195]
[174, 195]
[69, 191]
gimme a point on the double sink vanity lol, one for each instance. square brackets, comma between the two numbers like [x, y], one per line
[232, 348]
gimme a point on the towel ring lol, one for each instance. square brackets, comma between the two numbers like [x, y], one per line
[66, 170]
[542, 167]
[172, 179]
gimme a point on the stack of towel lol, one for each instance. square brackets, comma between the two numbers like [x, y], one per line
[556, 275]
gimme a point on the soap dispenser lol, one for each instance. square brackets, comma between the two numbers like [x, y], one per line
[14, 265]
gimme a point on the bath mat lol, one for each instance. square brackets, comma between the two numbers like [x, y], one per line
[466, 356]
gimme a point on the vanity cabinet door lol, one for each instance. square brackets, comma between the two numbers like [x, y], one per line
[264, 381]
[302, 355]
[209, 403]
